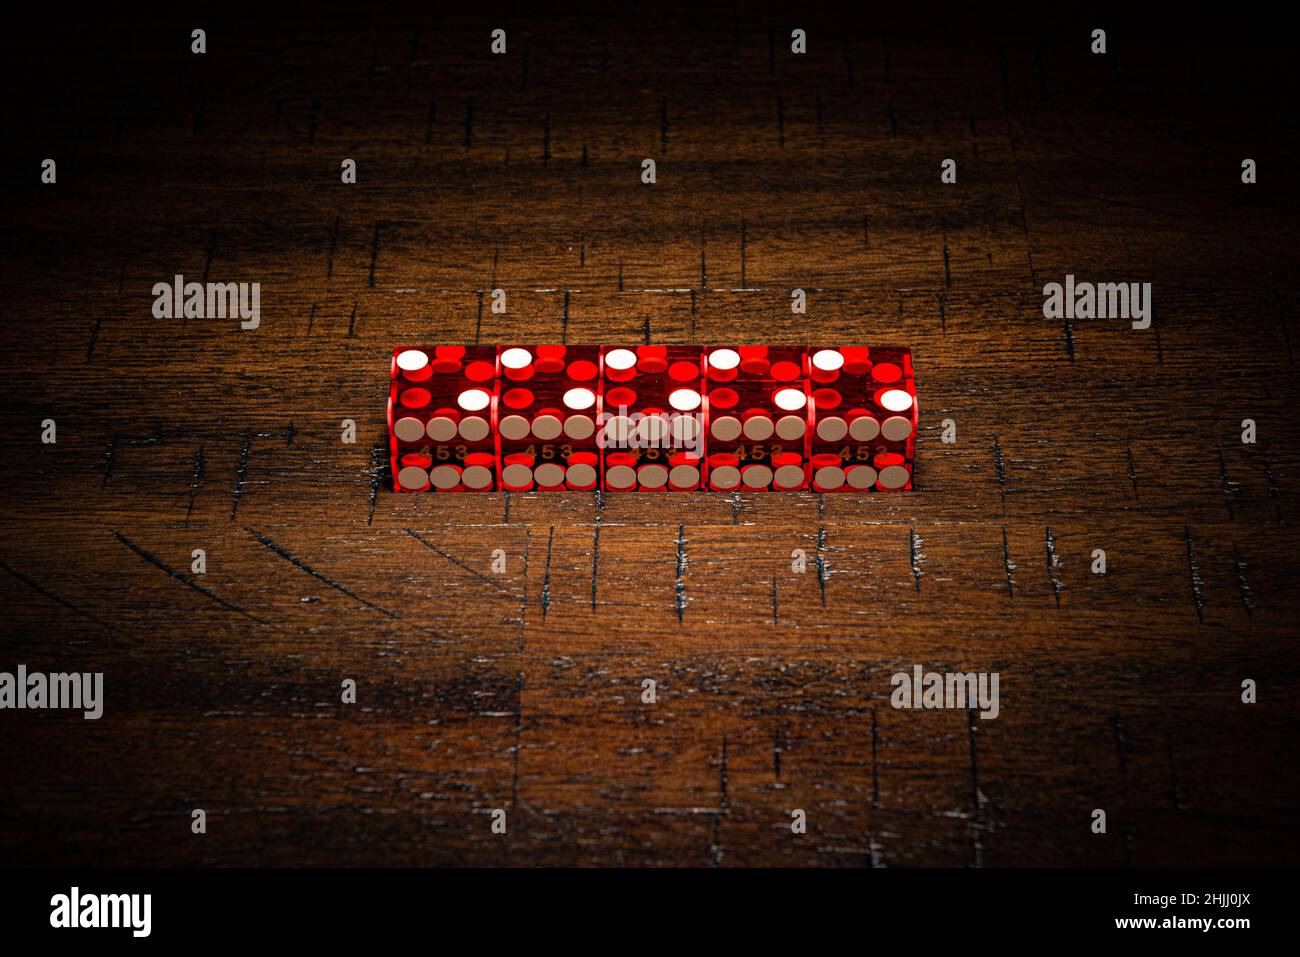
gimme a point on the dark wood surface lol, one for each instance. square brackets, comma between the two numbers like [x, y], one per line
[523, 691]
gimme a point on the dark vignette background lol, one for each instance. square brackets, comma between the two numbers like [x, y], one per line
[775, 172]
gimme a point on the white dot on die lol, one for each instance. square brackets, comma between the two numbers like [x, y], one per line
[579, 398]
[620, 359]
[896, 400]
[472, 400]
[828, 360]
[684, 400]
[516, 358]
[790, 399]
[412, 359]
[724, 358]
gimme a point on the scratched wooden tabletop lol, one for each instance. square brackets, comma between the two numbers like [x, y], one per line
[523, 691]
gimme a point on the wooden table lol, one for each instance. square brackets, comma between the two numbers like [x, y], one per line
[523, 691]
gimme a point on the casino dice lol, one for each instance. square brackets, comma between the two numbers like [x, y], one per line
[547, 413]
[442, 415]
[652, 418]
[864, 418]
[757, 413]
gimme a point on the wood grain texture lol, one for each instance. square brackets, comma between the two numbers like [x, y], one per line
[523, 691]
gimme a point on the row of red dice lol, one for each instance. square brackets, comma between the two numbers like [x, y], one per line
[648, 418]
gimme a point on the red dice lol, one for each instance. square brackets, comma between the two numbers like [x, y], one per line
[758, 417]
[550, 398]
[442, 419]
[864, 419]
[652, 418]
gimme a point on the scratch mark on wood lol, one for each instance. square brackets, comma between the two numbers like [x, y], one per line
[1007, 565]
[196, 479]
[1194, 572]
[722, 807]
[523, 598]
[822, 572]
[914, 551]
[1274, 491]
[595, 559]
[486, 579]
[1227, 487]
[1247, 595]
[546, 577]
[519, 732]
[41, 590]
[108, 459]
[874, 859]
[187, 582]
[378, 459]
[1001, 468]
[241, 472]
[681, 571]
[1053, 564]
[323, 579]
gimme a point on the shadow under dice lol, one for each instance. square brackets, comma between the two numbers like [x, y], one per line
[865, 416]
[651, 418]
[550, 398]
[440, 415]
[757, 418]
